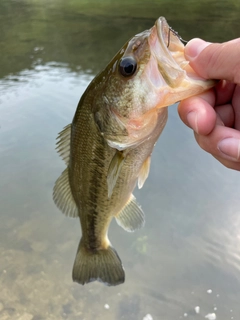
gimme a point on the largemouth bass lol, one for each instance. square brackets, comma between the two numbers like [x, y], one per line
[107, 147]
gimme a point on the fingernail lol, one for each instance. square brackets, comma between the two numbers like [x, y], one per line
[194, 47]
[192, 120]
[230, 147]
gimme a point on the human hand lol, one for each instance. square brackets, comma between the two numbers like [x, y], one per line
[215, 115]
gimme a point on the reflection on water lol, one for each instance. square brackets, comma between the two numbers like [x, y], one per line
[185, 262]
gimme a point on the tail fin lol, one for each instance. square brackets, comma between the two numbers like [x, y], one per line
[102, 265]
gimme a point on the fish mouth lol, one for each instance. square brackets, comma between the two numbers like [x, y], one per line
[169, 39]
[168, 49]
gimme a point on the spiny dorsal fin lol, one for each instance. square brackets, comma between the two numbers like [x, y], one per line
[131, 217]
[144, 172]
[114, 170]
[63, 143]
[62, 196]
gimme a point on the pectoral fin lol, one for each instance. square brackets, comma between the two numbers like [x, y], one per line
[114, 170]
[131, 217]
[144, 172]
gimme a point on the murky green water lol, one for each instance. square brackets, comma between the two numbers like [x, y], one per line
[188, 254]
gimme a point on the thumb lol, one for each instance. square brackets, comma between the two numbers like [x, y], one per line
[215, 60]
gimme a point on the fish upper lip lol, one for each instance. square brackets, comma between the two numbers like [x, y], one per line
[164, 33]
[165, 40]
[166, 46]
[161, 26]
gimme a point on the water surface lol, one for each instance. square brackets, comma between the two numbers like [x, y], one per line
[188, 254]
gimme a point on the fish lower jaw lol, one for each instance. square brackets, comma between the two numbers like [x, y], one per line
[186, 91]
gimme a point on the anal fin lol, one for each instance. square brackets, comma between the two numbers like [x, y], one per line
[131, 217]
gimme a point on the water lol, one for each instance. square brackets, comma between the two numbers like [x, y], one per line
[185, 263]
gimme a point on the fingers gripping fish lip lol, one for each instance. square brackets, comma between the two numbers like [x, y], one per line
[168, 49]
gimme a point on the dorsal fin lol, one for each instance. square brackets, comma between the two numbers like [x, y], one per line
[62, 196]
[63, 143]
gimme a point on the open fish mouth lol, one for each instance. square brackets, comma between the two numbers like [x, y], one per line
[166, 46]
[172, 46]
[167, 36]
[168, 50]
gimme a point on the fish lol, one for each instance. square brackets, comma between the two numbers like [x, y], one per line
[107, 148]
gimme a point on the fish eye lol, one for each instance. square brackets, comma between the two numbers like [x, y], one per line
[127, 66]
